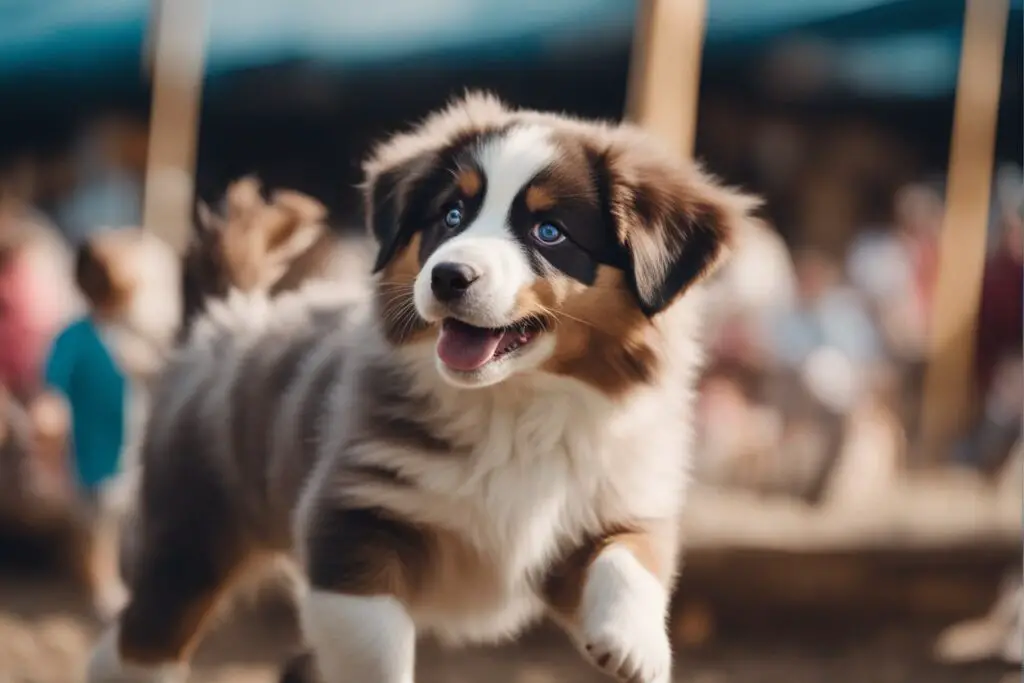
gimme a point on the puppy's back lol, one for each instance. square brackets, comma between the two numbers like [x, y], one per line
[221, 403]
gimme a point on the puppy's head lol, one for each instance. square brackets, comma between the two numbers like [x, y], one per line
[516, 241]
[130, 276]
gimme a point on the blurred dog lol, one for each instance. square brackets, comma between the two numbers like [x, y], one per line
[501, 432]
[271, 246]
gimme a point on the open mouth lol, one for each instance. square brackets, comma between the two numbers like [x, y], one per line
[465, 348]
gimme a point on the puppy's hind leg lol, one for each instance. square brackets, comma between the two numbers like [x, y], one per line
[363, 567]
[190, 555]
[359, 639]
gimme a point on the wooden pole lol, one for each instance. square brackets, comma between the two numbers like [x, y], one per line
[948, 387]
[178, 45]
[664, 77]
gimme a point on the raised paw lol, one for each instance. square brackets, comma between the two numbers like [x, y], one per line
[623, 620]
[632, 658]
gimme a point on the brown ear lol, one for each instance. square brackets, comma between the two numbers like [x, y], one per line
[675, 222]
[386, 193]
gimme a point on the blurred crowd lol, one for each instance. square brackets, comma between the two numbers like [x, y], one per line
[817, 351]
[812, 352]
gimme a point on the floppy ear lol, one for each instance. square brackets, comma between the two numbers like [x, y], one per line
[675, 223]
[386, 191]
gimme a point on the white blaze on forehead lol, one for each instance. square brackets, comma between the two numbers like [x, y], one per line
[508, 163]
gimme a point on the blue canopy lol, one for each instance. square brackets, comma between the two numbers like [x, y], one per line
[889, 46]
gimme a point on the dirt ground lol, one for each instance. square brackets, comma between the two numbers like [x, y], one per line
[45, 634]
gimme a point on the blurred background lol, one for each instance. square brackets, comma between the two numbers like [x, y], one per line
[857, 517]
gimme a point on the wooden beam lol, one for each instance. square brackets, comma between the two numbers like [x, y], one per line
[948, 387]
[664, 76]
[179, 41]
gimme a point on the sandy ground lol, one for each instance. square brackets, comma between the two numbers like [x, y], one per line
[45, 634]
[46, 629]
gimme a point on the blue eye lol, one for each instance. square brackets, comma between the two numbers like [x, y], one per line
[547, 234]
[453, 218]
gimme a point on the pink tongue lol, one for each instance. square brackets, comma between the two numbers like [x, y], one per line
[466, 348]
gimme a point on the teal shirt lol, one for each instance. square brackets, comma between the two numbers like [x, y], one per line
[82, 368]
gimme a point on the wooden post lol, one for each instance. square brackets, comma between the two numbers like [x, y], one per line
[178, 43]
[948, 387]
[664, 77]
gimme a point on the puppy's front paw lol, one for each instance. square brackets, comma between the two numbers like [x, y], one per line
[623, 615]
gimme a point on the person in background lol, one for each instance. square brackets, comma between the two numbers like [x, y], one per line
[753, 286]
[896, 270]
[999, 371]
[827, 315]
[1001, 312]
[102, 365]
[107, 163]
[37, 294]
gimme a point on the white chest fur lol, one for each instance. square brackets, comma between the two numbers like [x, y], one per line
[549, 466]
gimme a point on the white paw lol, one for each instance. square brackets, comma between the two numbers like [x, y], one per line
[359, 639]
[623, 615]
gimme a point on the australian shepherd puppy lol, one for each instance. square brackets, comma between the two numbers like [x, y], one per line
[501, 432]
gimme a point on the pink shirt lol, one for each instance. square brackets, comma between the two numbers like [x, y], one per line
[31, 311]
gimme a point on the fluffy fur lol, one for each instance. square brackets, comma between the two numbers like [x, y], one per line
[255, 245]
[423, 493]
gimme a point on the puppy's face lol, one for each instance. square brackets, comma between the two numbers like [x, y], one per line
[517, 242]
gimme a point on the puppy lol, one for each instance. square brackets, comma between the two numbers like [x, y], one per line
[501, 432]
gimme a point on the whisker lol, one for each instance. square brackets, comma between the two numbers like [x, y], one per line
[562, 314]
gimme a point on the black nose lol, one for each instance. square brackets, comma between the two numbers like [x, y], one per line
[449, 281]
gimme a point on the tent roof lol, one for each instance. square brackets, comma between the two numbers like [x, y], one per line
[895, 41]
